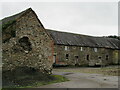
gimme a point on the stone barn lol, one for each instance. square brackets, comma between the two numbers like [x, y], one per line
[25, 42]
[84, 50]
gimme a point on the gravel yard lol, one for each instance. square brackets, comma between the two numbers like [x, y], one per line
[86, 78]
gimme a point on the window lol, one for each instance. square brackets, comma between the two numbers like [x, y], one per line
[76, 57]
[66, 48]
[88, 57]
[81, 48]
[106, 57]
[76, 61]
[99, 57]
[74, 47]
[67, 55]
[95, 49]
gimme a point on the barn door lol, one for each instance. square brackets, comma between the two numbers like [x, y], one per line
[76, 61]
[54, 59]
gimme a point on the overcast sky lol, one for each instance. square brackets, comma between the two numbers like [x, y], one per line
[90, 18]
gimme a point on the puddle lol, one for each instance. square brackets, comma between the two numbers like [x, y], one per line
[68, 73]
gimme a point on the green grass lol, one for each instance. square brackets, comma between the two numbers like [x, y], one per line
[26, 77]
[57, 79]
[38, 83]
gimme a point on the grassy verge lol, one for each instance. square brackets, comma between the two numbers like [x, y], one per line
[57, 79]
[37, 83]
[112, 71]
[25, 77]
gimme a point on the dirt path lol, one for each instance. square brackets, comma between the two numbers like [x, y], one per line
[84, 80]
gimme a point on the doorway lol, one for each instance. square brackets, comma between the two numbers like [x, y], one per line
[76, 61]
[54, 59]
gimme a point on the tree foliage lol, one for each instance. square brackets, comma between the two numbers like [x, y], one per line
[114, 36]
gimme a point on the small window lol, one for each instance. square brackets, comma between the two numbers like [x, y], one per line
[76, 57]
[107, 57]
[66, 48]
[99, 57]
[81, 48]
[95, 49]
[67, 55]
[74, 47]
[88, 57]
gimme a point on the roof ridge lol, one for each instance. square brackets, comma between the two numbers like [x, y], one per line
[74, 33]
[68, 32]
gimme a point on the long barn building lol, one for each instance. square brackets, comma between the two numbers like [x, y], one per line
[83, 50]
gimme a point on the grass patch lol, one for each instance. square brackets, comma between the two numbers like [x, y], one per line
[55, 79]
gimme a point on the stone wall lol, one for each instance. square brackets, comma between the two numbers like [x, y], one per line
[84, 56]
[116, 57]
[31, 46]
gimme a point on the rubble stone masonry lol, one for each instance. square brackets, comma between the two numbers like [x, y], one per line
[31, 46]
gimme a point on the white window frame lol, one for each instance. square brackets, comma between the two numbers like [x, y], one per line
[66, 48]
[95, 49]
[81, 48]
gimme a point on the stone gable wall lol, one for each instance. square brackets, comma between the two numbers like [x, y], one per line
[30, 47]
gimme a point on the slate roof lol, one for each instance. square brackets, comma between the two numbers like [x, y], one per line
[71, 39]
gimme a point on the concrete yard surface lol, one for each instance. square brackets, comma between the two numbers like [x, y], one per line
[84, 80]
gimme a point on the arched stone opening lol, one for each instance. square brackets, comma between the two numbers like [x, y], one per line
[25, 44]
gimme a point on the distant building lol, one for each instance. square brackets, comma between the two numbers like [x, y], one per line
[27, 43]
